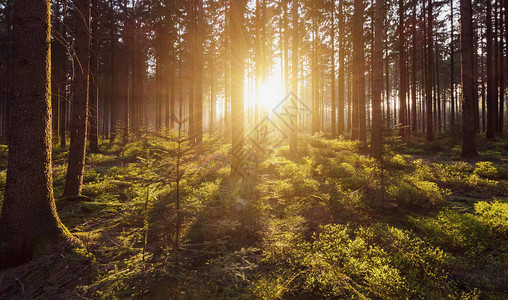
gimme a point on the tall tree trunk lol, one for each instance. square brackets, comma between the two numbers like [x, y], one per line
[212, 89]
[315, 71]
[112, 88]
[56, 55]
[387, 86]
[76, 164]
[429, 72]
[126, 73]
[60, 76]
[342, 70]
[94, 82]
[468, 81]
[333, 79]
[491, 80]
[359, 113]
[438, 94]
[293, 134]
[377, 119]
[402, 73]
[159, 83]
[414, 119]
[484, 106]
[238, 43]
[227, 61]
[497, 68]
[198, 100]
[452, 69]
[29, 224]
[505, 5]
[501, 69]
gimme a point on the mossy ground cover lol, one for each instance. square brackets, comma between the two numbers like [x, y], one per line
[332, 223]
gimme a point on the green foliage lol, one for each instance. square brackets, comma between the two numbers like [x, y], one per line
[494, 216]
[377, 261]
[478, 241]
[410, 191]
[487, 169]
[330, 223]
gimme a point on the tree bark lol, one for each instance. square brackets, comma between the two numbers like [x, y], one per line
[334, 104]
[29, 224]
[94, 82]
[377, 119]
[402, 73]
[414, 119]
[293, 134]
[237, 81]
[76, 164]
[429, 72]
[359, 114]
[342, 70]
[491, 80]
[198, 100]
[468, 81]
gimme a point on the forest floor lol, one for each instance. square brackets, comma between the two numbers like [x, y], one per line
[331, 223]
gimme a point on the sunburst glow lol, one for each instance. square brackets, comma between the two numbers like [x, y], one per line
[269, 93]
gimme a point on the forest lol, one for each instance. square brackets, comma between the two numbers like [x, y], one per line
[253, 149]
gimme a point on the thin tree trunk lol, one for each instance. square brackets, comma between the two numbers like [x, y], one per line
[429, 72]
[76, 164]
[334, 104]
[377, 119]
[342, 70]
[293, 134]
[93, 117]
[402, 73]
[501, 70]
[491, 81]
[359, 111]
[237, 83]
[414, 119]
[198, 100]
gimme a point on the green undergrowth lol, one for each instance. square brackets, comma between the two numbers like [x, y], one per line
[330, 223]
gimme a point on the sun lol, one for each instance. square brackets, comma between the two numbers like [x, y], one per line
[270, 93]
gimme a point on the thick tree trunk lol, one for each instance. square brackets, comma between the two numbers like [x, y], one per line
[76, 164]
[29, 224]
[468, 81]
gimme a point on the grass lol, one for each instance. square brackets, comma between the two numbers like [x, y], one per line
[330, 223]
